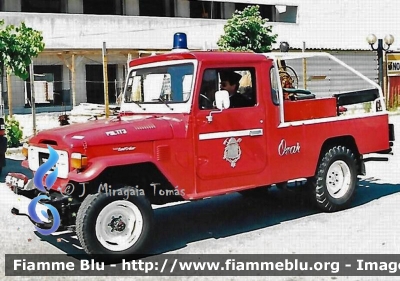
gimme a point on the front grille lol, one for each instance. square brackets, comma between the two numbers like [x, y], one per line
[43, 157]
[37, 156]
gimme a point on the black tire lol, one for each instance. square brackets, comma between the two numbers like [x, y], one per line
[335, 181]
[93, 225]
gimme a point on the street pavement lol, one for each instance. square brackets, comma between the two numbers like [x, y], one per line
[281, 223]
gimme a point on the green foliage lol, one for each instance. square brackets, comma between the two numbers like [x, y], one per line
[247, 31]
[13, 132]
[18, 45]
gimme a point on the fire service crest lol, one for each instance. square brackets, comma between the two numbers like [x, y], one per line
[232, 151]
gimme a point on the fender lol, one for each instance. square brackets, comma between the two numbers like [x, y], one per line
[99, 164]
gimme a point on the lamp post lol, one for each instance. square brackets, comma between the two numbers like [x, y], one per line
[284, 47]
[389, 39]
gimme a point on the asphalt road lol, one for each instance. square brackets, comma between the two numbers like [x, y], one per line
[281, 223]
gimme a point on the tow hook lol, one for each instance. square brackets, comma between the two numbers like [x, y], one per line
[16, 212]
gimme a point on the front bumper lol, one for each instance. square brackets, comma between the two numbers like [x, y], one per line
[19, 181]
[66, 206]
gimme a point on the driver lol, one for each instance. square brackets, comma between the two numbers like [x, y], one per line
[230, 82]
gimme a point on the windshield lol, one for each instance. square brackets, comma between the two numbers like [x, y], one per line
[161, 84]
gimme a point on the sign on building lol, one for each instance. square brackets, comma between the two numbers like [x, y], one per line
[393, 64]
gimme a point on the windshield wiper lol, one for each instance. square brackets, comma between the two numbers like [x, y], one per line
[138, 104]
[164, 101]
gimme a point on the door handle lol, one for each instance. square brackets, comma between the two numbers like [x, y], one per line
[257, 132]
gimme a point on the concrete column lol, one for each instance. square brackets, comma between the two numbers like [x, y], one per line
[131, 7]
[12, 6]
[182, 8]
[75, 6]
[81, 82]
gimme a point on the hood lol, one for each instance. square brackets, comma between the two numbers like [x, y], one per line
[105, 132]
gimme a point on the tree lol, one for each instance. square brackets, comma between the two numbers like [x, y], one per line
[247, 31]
[18, 46]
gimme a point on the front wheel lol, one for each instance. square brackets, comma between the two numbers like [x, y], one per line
[334, 184]
[118, 223]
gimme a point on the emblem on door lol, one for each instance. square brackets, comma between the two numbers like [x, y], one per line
[232, 151]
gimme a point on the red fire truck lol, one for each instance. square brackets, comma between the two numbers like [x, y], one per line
[178, 136]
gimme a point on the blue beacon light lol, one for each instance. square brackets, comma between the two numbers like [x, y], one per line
[180, 42]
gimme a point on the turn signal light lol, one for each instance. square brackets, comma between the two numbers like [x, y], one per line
[78, 161]
[24, 151]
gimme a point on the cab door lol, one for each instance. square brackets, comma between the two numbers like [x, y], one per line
[233, 145]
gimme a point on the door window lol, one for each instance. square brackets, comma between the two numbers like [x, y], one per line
[240, 84]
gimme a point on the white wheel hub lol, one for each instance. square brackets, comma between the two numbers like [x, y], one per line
[338, 179]
[119, 225]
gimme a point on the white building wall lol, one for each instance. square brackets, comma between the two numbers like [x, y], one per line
[65, 31]
[331, 25]
[340, 24]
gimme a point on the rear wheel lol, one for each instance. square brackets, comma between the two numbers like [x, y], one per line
[119, 223]
[334, 184]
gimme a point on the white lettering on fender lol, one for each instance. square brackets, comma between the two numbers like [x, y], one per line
[283, 149]
[116, 132]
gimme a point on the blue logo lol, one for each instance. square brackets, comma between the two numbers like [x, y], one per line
[50, 180]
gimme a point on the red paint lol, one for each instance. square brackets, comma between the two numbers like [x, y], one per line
[197, 166]
[394, 91]
[310, 109]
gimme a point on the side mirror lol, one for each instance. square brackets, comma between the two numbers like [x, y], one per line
[222, 100]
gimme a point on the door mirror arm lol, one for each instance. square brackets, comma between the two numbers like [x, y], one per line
[209, 116]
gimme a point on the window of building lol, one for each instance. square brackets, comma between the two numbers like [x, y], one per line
[266, 11]
[274, 13]
[156, 8]
[95, 83]
[205, 9]
[43, 6]
[102, 7]
[48, 86]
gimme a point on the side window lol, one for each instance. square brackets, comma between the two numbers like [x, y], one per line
[209, 86]
[274, 86]
[239, 82]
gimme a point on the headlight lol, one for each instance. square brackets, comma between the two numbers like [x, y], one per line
[78, 161]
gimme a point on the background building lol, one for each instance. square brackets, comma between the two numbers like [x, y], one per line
[74, 32]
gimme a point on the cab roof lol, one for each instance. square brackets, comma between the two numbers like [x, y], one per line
[201, 56]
